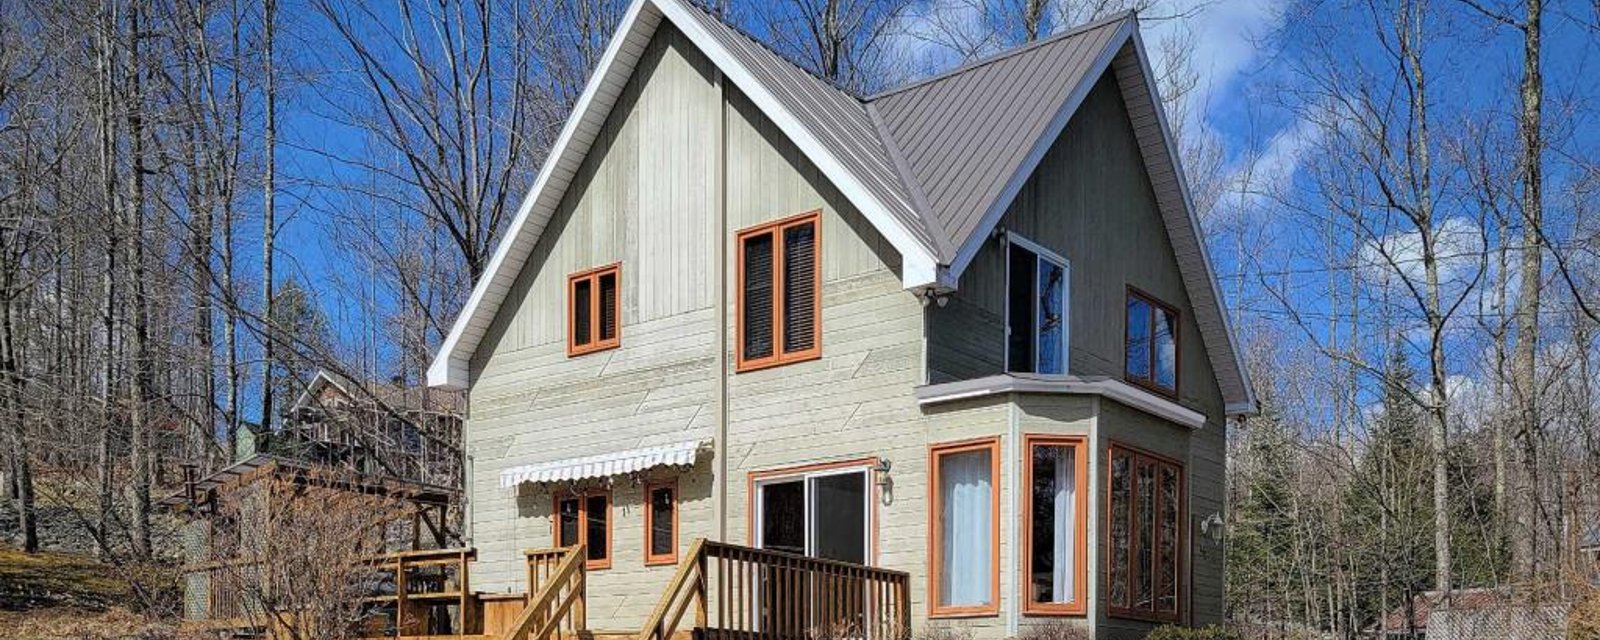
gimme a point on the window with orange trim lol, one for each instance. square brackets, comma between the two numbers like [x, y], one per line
[780, 293]
[661, 523]
[1054, 530]
[965, 529]
[585, 518]
[1145, 535]
[594, 300]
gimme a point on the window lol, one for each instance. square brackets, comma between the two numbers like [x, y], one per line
[1055, 525]
[586, 519]
[1036, 309]
[1147, 509]
[661, 524]
[1152, 359]
[780, 289]
[592, 309]
[820, 510]
[965, 545]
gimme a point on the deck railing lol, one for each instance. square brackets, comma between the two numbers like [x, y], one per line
[740, 591]
[423, 579]
[557, 585]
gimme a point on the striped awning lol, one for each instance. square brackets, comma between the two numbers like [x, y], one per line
[605, 465]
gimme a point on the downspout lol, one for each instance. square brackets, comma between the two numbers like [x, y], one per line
[720, 276]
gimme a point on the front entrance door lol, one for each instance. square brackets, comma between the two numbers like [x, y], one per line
[821, 514]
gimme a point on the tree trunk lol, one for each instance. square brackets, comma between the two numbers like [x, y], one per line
[269, 10]
[139, 445]
[1528, 548]
[106, 61]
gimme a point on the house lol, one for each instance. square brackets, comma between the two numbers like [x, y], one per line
[381, 458]
[391, 428]
[964, 332]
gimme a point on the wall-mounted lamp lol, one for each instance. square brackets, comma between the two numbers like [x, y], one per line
[1212, 527]
[885, 483]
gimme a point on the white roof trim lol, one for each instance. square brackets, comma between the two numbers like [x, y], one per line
[1112, 388]
[449, 369]
[320, 379]
[605, 465]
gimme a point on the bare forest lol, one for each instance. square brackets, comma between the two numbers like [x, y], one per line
[203, 203]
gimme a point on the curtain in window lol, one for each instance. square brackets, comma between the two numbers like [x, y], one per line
[1052, 320]
[965, 491]
[1064, 501]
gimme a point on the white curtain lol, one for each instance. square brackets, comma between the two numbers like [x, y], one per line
[1065, 511]
[965, 491]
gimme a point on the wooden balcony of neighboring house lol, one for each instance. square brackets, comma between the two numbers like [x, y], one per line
[719, 591]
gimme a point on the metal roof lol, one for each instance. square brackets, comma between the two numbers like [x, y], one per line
[964, 134]
[605, 465]
[932, 165]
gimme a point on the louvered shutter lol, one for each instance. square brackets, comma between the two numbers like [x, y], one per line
[799, 287]
[581, 291]
[608, 306]
[758, 300]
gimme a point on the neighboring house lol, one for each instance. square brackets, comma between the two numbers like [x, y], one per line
[964, 329]
[388, 428]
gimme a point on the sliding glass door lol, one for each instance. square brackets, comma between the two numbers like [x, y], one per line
[821, 514]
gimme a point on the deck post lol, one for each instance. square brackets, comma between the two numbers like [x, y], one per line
[700, 588]
[399, 596]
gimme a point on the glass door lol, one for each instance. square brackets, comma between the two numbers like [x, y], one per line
[821, 514]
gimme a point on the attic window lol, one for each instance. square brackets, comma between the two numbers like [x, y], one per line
[593, 299]
[1152, 344]
[1036, 308]
[780, 293]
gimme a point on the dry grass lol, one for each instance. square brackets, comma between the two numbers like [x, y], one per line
[68, 596]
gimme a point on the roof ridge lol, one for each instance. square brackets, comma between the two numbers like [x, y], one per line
[913, 186]
[701, 7]
[1008, 53]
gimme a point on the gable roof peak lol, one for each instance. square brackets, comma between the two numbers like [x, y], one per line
[1072, 32]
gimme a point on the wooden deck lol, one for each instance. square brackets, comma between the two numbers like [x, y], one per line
[733, 592]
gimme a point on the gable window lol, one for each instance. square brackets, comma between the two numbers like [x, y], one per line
[1152, 346]
[1145, 539]
[780, 289]
[966, 529]
[1036, 308]
[592, 309]
[585, 519]
[661, 524]
[1055, 525]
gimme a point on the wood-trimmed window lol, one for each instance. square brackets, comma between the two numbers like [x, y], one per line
[1036, 308]
[585, 518]
[1055, 525]
[1152, 343]
[1144, 537]
[780, 292]
[964, 529]
[661, 523]
[593, 308]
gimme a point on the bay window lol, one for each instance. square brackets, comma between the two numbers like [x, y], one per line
[1055, 524]
[1146, 496]
[965, 529]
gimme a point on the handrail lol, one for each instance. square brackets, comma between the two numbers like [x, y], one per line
[690, 565]
[771, 593]
[544, 611]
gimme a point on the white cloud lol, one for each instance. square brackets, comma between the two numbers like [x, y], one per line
[1397, 257]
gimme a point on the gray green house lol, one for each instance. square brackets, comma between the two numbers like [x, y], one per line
[964, 329]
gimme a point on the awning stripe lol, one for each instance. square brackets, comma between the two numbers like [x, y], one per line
[605, 465]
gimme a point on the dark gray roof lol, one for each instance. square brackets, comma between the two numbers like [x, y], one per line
[965, 133]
